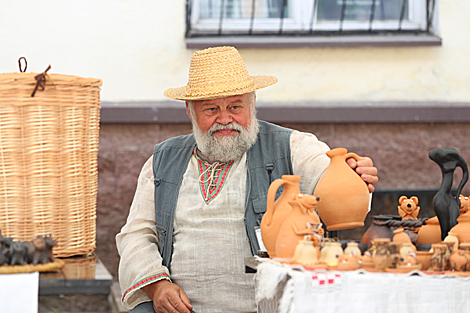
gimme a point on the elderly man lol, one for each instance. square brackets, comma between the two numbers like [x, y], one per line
[200, 197]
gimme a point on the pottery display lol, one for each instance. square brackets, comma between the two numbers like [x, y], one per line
[446, 206]
[381, 253]
[379, 228]
[462, 229]
[305, 253]
[344, 196]
[431, 232]
[452, 237]
[278, 210]
[330, 252]
[352, 248]
[439, 259]
[464, 204]
[407, 249]
[408, 208]
[347, 263]
[424, 258]
[459, 260]
[395, 256]
[399, 235]
[299, 223]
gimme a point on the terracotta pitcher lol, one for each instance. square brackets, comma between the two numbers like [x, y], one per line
[277, 210]
[298, 224]
[344, 195]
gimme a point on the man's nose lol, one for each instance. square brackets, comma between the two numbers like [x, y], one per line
[224, 118]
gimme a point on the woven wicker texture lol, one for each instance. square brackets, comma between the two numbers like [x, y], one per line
[217, 73]
[48, 160]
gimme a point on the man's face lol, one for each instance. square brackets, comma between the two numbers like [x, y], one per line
[222, 111]
[224, 128]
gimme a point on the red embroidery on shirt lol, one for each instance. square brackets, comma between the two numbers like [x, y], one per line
[144, 282]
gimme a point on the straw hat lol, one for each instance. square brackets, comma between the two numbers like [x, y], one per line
[217, 73]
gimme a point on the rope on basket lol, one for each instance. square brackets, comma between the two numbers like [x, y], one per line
[41, 81]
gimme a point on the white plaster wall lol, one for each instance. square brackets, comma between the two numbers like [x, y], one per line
[137, 47]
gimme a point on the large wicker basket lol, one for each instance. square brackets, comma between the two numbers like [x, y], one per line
[48, 159]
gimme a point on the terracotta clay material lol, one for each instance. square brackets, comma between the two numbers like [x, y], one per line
[278, 210]
[431, 232]
[424, 258]
[381, 254]
[462, 229]
[294, 228]
[408, 208]
[401, 236]
[439, 259]
[344, 195]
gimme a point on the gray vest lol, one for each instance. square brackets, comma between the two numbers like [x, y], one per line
[268, 159]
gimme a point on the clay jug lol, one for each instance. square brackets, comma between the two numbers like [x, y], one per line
[401, 236]
[277, 210]
[331, 254]
[352, 248]
[424, 258]
[431, 232]
[305, 253]
[462, 229]
[378, 229]
[452, 237]
[439, 260]
[406, 249]
[395, 257]
[344, 195]
[381, 254]
[294, 228]
[458, 260]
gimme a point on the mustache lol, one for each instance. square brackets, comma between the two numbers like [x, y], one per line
[232, 126]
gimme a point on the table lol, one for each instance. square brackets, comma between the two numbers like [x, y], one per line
[81, 275]
[287, 288]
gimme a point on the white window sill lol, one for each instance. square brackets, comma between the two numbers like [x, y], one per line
[392, 40]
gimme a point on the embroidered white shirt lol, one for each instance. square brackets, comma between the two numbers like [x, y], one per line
[210, 240]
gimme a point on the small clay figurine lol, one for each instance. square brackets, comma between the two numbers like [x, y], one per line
[408, 208]
[39, 250]
[446, 206]
[50, 243]
[464, 204]
[17, 254]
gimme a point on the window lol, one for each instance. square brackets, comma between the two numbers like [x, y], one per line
[212, 18]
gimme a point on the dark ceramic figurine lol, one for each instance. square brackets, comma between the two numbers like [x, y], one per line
[446, 205]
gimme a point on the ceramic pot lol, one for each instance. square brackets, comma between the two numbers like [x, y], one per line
[381, 254]
[344, 196]
[399, 235]
[458, 260]
[395, 257]
[278, 210]
[379, 228]
[449, 250]
[439, 259]
[330, 254]
[294, 228]
[452, 237]
[406, 249]
[352, 248]
[462, 229]
[464, 246]
[431, 232]
[424, 258]
[305, 253]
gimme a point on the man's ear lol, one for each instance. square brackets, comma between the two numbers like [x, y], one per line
[187, 110]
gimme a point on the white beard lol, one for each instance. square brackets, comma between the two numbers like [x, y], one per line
[226, 148]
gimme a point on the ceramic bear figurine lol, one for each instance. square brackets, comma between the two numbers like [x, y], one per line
[408, 208]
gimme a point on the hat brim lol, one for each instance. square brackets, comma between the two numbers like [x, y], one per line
[181, 93]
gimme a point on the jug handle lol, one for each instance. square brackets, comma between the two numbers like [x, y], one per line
[355, 157]
[275, 185]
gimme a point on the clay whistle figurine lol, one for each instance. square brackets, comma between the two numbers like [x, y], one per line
[408, 208]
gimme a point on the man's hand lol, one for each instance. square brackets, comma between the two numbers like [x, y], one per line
[168, 297]
[365, 168]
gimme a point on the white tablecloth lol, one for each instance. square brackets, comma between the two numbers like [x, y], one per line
[19, 293]
[293, 289]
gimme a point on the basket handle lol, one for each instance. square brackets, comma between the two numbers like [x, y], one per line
[25, 64]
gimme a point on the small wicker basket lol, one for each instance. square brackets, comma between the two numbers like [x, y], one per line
[48, 159]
